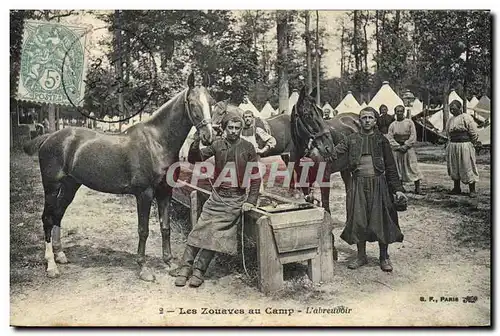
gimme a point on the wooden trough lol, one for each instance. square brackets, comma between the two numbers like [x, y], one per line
[286, 231]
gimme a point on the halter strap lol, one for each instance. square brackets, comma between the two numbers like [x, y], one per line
[203, 122]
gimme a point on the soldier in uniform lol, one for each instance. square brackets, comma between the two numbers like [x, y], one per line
[371, 212]
[251, 131]
[217, 226]
[384, 120]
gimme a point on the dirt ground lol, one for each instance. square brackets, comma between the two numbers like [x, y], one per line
[446, 253]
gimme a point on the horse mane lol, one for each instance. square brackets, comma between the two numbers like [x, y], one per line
[166, 106]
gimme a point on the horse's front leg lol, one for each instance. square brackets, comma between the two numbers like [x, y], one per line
[144, 201]
[347, 178]
[163, 196]
[325, 187]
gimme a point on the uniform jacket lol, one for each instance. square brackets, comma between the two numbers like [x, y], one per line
[349, 150]
[244, 152]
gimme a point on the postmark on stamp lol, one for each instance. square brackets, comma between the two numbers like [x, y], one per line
[48, 51]
[121, 76]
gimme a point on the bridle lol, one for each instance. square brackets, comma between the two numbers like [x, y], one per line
[301, 127]
[203, 122]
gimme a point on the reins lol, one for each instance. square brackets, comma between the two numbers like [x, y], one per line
[203, 122]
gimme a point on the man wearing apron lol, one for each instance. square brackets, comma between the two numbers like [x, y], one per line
[250, 132]
[217, 227]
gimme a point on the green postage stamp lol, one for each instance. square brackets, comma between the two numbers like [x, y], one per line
[53, 63]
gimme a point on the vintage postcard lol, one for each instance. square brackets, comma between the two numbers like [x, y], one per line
[250, 168]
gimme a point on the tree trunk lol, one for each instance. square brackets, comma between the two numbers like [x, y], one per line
[254, 30]
[396, 22]
[446, 107]
[466, 70]
[307, 38]
[365, 42]
[119, 65]
[282, 59]
[318, 89]
[52, 117]
[381, 45]
[342, 54]
[355, 41]
[57, 116]
[342, 62]
[377, 38]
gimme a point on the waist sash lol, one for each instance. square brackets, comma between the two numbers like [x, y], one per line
[401, 138]
[460, 136]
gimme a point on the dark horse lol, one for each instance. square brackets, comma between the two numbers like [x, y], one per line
[134, 163]
[278, 126]
[311, 131]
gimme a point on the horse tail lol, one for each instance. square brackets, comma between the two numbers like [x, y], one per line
[32, 146]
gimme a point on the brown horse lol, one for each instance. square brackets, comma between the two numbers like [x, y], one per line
[134, 162]
[310, 131]
[279, 127]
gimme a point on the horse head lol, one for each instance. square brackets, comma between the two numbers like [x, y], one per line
[198, 102]
[308, 126]
[219, 110]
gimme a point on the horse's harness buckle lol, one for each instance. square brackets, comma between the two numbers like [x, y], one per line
[320, 134]
[204, 122]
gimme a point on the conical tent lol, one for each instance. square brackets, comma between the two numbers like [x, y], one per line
[437, 120]
[454, 96]
[327, 108]
[386, 96]
[472, 103]
[348, 104]
[183, 153]
[267, 111]
[249, 106]
[417, 107]
[484, 135]
[483, 107]
[292, 101]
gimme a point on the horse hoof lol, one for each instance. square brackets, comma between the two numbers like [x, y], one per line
[53, 273]
[167, 260]
[61, 258]
[147, 275]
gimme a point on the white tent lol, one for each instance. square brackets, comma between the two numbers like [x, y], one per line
[386, 96]
[183, 153]
[328, 108]
[267, 111]
[484, 135]
[437, 120]
[249, 106]
[454, 96]
[348, 104]
[292, 101]
[483, 108]
[472, 103]
[417, 107]
[363, 105]
[146, 116]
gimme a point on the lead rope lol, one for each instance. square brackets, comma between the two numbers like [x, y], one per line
[243, 243]
[242, 216]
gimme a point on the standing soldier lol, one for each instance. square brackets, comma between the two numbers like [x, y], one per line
[216, 229]
[384, 120]
[376, 190]
[461, 130]
[402, 136]
[251, 131]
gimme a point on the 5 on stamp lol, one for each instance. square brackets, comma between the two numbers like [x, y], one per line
[48, 51]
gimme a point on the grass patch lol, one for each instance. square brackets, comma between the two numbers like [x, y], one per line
[474, 227]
